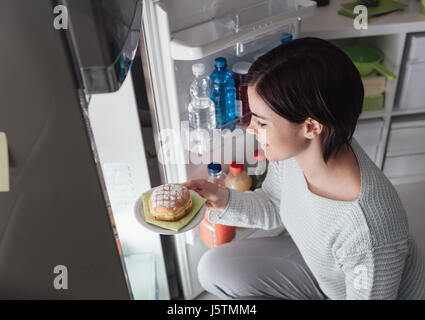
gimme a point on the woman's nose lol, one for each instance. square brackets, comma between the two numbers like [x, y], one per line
[250, 129]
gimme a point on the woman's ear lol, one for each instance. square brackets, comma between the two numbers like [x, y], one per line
[312, 128]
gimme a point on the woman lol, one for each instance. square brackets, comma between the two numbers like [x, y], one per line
[348, 232]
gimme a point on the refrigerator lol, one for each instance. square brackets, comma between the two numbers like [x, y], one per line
[94, 116]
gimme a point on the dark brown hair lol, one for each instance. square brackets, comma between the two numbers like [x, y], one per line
[311, 77]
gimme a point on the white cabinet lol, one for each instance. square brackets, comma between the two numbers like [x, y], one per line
[412, 80]
[368, 134]
[407, 137]
[406, 165]
[416, 49]
[412, 94]
[405, 154]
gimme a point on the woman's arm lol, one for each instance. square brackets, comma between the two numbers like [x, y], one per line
[253, 209]
[374, 273]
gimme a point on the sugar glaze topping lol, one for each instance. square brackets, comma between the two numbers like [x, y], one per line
[167, 195]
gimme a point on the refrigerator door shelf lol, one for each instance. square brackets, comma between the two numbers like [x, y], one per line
[143, 273]
[104, 36]
[239, 28]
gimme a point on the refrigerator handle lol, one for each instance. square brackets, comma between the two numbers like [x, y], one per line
[4, 163]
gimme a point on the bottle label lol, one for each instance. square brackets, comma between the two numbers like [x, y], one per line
[239, 110]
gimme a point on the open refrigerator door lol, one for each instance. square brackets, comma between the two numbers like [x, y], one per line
[178, 34]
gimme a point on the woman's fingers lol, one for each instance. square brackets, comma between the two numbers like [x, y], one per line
[208, 204]
[197, 184]
[203, 187]
[216, 197]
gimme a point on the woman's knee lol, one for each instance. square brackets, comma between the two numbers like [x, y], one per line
[211, 270]
[206, 266]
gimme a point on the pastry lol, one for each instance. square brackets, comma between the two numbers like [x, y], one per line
[170, 202]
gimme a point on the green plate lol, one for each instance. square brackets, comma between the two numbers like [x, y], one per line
[188, 222]
[384, 7]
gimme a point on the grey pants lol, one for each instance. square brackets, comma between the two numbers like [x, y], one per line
[262, 268]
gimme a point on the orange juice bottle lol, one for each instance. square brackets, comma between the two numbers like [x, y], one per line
[238, 179]
[214, 234]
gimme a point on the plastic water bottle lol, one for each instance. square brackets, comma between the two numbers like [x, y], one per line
[215, 175]
[223, 93]
[201, 108]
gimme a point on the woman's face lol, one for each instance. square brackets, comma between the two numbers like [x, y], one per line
[279, 138]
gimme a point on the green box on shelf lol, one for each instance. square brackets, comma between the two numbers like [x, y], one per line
[373, 103]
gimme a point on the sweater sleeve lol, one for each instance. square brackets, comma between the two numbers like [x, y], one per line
[254, 209]
[374, 273]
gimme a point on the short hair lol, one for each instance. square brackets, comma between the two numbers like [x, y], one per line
[310, 77]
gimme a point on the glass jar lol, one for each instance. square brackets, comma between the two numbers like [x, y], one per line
[214, 234]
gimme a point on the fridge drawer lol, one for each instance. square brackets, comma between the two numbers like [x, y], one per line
[417, 48]
[406, 137]
[237, 26]
[368, 135]
[404, 165]
[412, 94]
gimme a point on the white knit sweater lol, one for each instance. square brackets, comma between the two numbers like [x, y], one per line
[357, 249]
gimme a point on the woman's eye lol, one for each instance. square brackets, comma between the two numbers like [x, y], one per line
[261, 124]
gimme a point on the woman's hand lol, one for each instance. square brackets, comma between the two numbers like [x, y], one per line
[217, 197]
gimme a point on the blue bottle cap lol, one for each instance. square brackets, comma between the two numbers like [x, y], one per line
[220, 62]
[214, 168]
[287, 37]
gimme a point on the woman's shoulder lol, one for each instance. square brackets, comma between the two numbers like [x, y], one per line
[376, 188]
[379, 206]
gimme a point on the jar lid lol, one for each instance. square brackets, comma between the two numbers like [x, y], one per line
[214, 168]
[220, 62]
[236, 168]
[241, 67]
[259, 155]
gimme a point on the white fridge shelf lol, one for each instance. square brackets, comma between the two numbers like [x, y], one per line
[238, 28]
